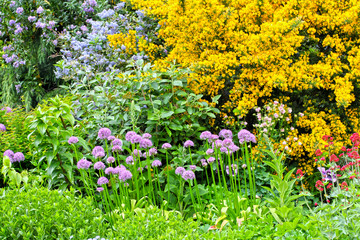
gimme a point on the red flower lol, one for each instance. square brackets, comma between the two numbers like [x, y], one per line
[344, 185]
[318, 152]
[355, 139]
[319, 185]
[329, 185]
[328, 201]
[316, 204]
[343, 148]
[325, 137]
[300, 173]
[351, 177]
[334, 158]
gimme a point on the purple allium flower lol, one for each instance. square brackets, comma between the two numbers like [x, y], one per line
[99, 165]
[243, 166]
[203, 162]
[145, 143]
[146, 135]
[234, 169]
[117, 141]
[119, 169]
[209, 151]
[18, 157]
[225, 133]
[73, 140]
[166, 146]
[104, 133]
[205, 135]
[110, 160]
[111, 138]
[130, 160]
[100, 189]
[40, 10]
[246, 136]
[83, 164]
[218, 143]
[179, 170]
[129, 135]
[156, 163]
[31, 18]
[116, 148]
[19, 10]
[211, 159]
[224, 150]
[98, 152]
[2, 127]
[189, 143]
[102, 181]
[125, 175]
[234, 148]
[152, 151]
[136, 139]
[188, 175]
[109, 170]
[137, 153]
[227, 142]
[192, 167]
[7, 109]
[10, 154]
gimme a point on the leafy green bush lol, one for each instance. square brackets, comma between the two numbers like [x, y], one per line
[44, 214]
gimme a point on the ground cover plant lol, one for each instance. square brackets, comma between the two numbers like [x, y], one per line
[118, 121]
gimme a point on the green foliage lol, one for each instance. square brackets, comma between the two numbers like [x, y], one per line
[44, 214]
[15, 178]
[143, 99]
[51, 129]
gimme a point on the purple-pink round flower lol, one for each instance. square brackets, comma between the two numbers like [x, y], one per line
[2, 127]
[18, 157]
[145, 143]
[104, 133]
[166, 146]
[246, 136]
[225, 133]
[99, 165]
[98, 152]
[109, 170]
[136, 139]
[152, 151]
[7, 109]
[146, 135]
[211, 159]
[10, 154]
[102, 181]
[125, 175]
[192, 167]
[137, 153]
[100, 189]
[111, 138]
[19, 10]
[116, 148]
[227, 142]
[209, 151]
[83, 164]
[129, 160]
[129, 135]
[179, 170]
[189, 143]
[188, 175]
[110, 160]
[156, 163]
[40, 10]
[73, 140]
[203, 162]
[116, 141]
[205, 135]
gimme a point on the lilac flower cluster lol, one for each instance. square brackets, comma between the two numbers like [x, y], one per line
[246, 136]
[83, 164]
[2, 127]
[14, 157]
[73, 140]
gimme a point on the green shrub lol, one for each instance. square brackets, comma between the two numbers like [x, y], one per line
[44, 214]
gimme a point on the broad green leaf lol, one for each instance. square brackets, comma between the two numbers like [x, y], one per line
[167, 114]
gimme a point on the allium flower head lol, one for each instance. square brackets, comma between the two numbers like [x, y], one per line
[205, 135]
[145, 143]
[117, 141]
[156, 163]
[19, 10]
[225, 150]
[129, 135]
[7, 109]
[83, 164]
[146, 135]
[102, 181]
[234, 148]
[119, 169]
[192, 167]
[179, 170]
[116, 148]
[73, 140]
[209, 151]
[100, 189]
[225, 133]
[137, 153]
[98, 152]
[152, 151]
[110, 160]
[104, 133]
[211, 159]
[203, 162]
[188, 175]
[18, 157]
[227, 142]
[125, 175]
[136, 139]
[246, 136]
[109, 170]
[166, 146]
[10, 154]
[233, 169]
[129, 160]
[111, 138]
[99, 165]
[189, 143]
[2, 127]
[218, 143]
